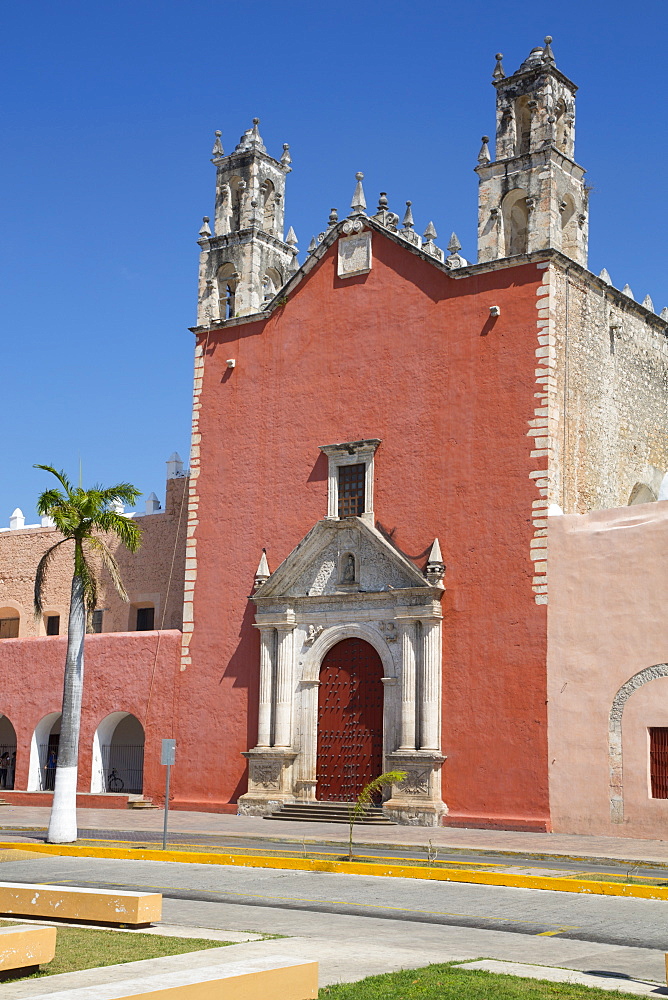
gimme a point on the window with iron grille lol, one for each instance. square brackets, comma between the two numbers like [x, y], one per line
[53, 624]
[96, 622]
[351, 490]
[658, 761]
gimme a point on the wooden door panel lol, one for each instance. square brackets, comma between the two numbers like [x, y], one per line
[350, 720]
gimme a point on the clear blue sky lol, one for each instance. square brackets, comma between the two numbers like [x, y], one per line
[107, 118]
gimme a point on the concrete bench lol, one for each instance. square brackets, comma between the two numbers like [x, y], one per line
[97, 906]
[277, 977]
[24, 949]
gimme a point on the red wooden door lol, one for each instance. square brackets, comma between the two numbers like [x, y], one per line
[350, 720]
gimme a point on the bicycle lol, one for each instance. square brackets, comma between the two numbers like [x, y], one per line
[115, 783]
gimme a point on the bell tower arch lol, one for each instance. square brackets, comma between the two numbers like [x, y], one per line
[532, 196]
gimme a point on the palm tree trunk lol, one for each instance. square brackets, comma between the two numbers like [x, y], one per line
[63, 821]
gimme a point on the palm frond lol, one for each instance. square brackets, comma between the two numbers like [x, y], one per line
[110, 564]
[40, 575]
[125, 529]
[60, 476]
[125, 492]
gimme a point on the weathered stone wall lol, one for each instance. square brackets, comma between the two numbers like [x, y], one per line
[609, 389]
[145, 574]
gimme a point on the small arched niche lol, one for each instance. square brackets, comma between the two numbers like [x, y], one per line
[569, 226]
[237, 188]
[515, 212]
[641, 493]
[348, 568]
[560, 128]
[118, 755]
[7, 753]
[268, 202]
[44, 753]
[522, 125]
[271, 283]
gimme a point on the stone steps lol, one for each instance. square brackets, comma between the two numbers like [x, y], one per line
[329, 812]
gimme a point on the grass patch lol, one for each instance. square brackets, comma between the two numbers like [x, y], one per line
[444, 982]
[79, 948]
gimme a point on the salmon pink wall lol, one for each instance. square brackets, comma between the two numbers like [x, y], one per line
[607, 624]
[131, 672]
[411, 356]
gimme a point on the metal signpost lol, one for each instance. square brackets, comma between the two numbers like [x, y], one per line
[168, 758]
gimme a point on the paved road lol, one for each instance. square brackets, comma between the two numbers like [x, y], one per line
[608, 920]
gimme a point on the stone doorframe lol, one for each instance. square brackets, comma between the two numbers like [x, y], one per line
[309, 604]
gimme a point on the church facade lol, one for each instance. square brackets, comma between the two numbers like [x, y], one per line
[387, 434]
[408, 526]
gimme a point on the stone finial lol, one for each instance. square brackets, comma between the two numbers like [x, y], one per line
[483, 155]
[382, 202]
[455, 259]
[408, 222]
[498, 73]
[286, 159]
[454, 246]
[385, 217]
[664, 314]
[251, 139]
[429, 246]
[217, 146]
[604, 276]
[548, 55]
[291, 238]
[358, 204]
[626, 290]
[152, 504]
[647, 303]
[333, 217]
[17, 520]
[435, 568]
[408, 233]
[313, 245]
[205, 231]
[174, 466]
[262, 573]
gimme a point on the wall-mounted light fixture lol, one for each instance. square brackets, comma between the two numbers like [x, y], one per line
[231, 363]
[494, 310]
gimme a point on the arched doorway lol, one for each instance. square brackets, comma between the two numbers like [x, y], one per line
[118, 755]
[7, 753]
[350, 720]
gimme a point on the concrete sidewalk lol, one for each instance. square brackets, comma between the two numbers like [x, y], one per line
[240, 828]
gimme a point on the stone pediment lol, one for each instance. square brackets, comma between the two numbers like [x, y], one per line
[340, 557]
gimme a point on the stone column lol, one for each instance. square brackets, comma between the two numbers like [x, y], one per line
[267, 637]
[408, 679]
[283, 694]
[430, 687]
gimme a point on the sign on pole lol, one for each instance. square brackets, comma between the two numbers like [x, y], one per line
[168, 758]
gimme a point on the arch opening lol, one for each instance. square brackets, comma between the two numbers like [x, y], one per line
[118, 755]
[44, 754]
[516, 222]
[522, 125]
[350, 720]
[7, 753]
[228, 280]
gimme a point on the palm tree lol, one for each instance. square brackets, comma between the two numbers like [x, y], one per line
[79, 514]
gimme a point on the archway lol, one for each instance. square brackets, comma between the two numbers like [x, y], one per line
[7, 753]
[118, 755]
[350, 720]
[44, 754]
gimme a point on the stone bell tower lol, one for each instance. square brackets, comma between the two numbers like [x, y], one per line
[532, 196]
[245, 260]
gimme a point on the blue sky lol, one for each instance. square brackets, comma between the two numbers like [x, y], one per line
[107, 120]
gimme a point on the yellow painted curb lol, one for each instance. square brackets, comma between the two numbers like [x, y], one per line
[354, 868]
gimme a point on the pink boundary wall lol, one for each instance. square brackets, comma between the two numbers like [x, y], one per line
[607, 622]
[120, 670]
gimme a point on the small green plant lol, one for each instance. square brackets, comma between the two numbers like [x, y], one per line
[432, 854]
[365, 797]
